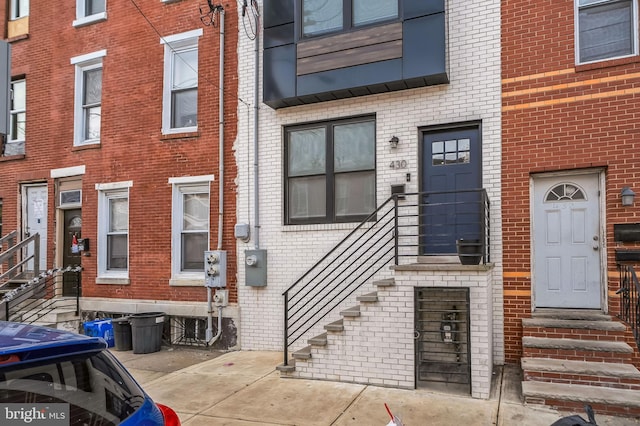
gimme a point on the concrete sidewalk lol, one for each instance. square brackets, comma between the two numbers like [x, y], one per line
[243, 389]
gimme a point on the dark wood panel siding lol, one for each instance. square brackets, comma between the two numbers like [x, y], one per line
[350, 57]
[349, 49]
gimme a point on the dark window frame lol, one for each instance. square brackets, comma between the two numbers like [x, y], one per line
[347, 21]
[330, 173]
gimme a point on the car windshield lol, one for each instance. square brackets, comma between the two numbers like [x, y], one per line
[97, 389]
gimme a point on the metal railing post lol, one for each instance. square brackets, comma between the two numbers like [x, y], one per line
[286, 327]
[395, 229]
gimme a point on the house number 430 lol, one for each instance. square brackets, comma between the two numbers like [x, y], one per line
[399, 164]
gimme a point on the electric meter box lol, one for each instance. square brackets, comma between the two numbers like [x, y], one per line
[215, 268]
[255, 267]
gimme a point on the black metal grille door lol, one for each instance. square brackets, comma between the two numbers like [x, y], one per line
[442, 336]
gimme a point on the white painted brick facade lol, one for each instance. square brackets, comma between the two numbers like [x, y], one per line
[472, 95]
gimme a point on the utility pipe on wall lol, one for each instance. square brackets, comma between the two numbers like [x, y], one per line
[212, 339]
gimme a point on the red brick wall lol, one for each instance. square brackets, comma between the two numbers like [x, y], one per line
[557, 116]
[132, 147]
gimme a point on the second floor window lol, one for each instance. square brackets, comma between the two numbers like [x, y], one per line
[180, 93]
[18, 118]
[327, 16]
[88, 98]
[606, 29]
[18, 9]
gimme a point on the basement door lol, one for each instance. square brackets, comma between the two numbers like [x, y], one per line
[566, 247]
[34, 220]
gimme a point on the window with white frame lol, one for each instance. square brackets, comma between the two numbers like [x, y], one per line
[330, 171]
[18, 9]
[180, 88]
[605, 29]
[190, 225]
[17, 118]
[113, 229]
[331, 16]
[89, 11]
[88, 98]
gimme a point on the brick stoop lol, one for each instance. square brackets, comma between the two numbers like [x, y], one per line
[577, 357]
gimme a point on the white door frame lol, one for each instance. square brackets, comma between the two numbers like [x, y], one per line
[24, 219]
[600, 172]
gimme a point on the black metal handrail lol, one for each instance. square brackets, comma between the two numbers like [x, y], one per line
[629, 302]
[400, 229]
[34, 299]
[16, 260]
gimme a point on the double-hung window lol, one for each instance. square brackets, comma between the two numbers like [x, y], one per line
[17, 119]
[329, 16]
[113, 229]
[18, 9]
[180, 89]
[88, 98]
[330, 171]
[190, 227]
[89, 11]
[606, 29]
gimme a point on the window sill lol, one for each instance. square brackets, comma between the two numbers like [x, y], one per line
[12, 157]
[85, 147]
[113, 281]
[18, 38]
[325, 227]
[186, 282]
[88, 20]
[183, 135]
[607, 63]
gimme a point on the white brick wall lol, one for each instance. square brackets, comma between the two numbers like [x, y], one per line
[473, 94]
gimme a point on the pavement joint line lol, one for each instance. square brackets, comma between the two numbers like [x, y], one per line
[500, 393]
[353, 401]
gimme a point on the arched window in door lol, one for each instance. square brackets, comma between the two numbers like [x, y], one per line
[565, 192]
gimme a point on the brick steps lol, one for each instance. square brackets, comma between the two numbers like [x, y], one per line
[577, 357]
[614, 402]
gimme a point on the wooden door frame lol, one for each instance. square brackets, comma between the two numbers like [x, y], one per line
[600, 172]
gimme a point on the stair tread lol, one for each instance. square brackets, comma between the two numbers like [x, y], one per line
[319, 340]
[351, 312]
[335, 326]
[571, 314]
[385, 282]
[304, 353]
[626, 371]
[573, 323]
[368, 297]
[291, 366]
[582, 393]
[570, 344]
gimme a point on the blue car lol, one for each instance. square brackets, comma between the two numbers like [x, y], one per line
[54, 377]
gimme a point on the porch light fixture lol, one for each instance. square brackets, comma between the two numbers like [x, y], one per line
[627, 196]
[393, 142]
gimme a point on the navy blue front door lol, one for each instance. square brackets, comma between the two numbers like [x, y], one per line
[451, 207]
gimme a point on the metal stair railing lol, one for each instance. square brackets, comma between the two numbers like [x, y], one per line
[393, 233]
[629, 302]
[39, 296]
[14, 258]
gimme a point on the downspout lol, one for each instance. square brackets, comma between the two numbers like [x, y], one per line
[210, 339]
[256, 166]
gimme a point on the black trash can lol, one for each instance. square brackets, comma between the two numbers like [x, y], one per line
[146, 332]
[122, 334]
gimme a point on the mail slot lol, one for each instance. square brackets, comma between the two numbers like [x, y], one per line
[626, 232]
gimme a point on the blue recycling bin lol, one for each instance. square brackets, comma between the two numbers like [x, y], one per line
[100, 328]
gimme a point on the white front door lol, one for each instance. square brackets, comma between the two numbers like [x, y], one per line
[34, 220]
[567, 240]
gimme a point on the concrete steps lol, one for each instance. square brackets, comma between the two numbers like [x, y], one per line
[577, 357]
[305, 354]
